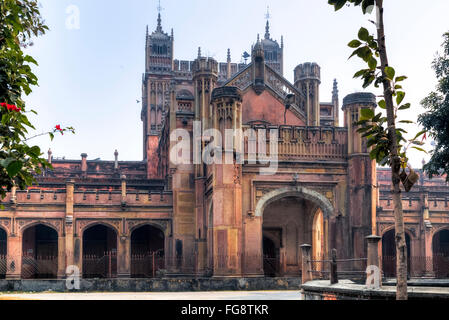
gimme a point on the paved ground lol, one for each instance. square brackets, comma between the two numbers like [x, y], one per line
[222, 295]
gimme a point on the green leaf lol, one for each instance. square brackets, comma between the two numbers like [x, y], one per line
[400, 97]
[363, 34]
[419, 149]
[14, 168]
[367, 113]
[401, 78]
[390, 72]
[405, 106]
[382, 104]
[354, 44]
[372, 63]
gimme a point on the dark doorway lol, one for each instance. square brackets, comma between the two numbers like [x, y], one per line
[270, 258]
[147, 252]
[440, 247]
[99, 252]
[389, 254]
[40, 253]
[3, 253]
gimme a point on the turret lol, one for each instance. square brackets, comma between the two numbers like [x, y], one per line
[308, 80]
[362, 177]
[258, 60]
[205, 76]
[352, 106]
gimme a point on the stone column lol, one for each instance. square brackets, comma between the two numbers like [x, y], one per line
[306, 265]
[124, 257]
[61, 258]
[373, 254]
[373, 250]
[69, 239]
[14, 257]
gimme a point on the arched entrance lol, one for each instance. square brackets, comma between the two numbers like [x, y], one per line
[147, 251]
[291, 216]
[3, 253]
[40, 253]
[99, 252]
[389, 253]
[440, 248]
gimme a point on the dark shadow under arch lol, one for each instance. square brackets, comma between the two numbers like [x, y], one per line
[147, 251]
[39, 252]
[99, 252]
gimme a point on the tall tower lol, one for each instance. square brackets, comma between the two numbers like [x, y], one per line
[205, 77]
[308, 80]
[227, 186]
[273, 52]
[362, 179]
[155, 91]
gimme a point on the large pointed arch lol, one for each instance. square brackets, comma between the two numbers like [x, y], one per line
[297, 191]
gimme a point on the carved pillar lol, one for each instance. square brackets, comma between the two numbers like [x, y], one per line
[69, 239]
[124, 257]
[61, 258]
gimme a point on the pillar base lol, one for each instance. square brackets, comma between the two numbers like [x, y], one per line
[124, 275]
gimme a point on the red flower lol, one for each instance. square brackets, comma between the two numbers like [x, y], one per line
[10, 107]
[58, 128]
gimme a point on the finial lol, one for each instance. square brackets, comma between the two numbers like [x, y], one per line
[229, 55]
[199, 52]
[172, 33]
[335, 90]
[159, 20]
[49, 155]
[267, 28]
[258, 38]
[282, 42]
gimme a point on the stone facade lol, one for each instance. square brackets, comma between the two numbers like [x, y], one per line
[226, 218]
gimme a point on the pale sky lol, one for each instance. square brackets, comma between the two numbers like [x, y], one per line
[90, 78]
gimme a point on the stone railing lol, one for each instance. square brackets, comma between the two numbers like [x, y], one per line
[301, 143]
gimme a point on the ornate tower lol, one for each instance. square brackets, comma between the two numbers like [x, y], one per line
[308, 80]
[227, 188]
[362, 180]
[205, 77]
[273, 52]
[155, 91]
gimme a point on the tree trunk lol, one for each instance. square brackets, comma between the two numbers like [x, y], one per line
[401, 247]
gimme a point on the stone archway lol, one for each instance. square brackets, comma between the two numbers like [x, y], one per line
[147, 251]
[99, 252]
[440, 251]
[389, 253]
[39, 252]
[291, 216]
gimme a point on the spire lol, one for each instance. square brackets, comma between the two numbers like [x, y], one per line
[199, 52]
[267, 28]
[159, 20]
[282, 42]
[335, 91]
[159, 23]
[229, 55]
[258, 38]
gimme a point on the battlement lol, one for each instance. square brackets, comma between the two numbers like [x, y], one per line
[308, 70]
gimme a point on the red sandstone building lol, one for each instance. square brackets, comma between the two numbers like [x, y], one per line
[131, 219]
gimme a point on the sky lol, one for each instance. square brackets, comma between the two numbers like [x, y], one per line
[90, 73]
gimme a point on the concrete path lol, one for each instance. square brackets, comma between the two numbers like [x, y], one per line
[222, 295]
